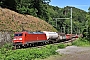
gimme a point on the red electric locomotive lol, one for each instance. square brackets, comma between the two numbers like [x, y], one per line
[25, 38]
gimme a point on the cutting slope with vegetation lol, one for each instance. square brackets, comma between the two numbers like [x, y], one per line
[12, 21]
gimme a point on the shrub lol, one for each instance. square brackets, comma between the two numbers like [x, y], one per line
[61, 45]
[6, 52]
[26, 54]
[81, 42]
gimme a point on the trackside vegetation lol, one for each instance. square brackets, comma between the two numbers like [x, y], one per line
[34, 53]
[6, 52]
[82, 42]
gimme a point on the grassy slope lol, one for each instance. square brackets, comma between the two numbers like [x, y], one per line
[12, 21]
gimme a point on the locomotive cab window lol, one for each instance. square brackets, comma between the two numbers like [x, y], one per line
[18, 34]
[25, 34]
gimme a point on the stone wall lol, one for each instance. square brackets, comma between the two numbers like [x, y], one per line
[5, 37]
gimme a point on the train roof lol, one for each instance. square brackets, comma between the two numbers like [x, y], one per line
[30, 32]
[35, 33]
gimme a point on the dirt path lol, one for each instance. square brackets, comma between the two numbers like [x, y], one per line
[72, 53]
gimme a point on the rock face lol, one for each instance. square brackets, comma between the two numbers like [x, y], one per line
[5, 37]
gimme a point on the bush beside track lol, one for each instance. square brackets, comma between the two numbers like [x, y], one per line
[81, 42]
[6, 52]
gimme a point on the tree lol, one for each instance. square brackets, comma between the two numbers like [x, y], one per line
[89, 10]
[11, 4]
[88, 19]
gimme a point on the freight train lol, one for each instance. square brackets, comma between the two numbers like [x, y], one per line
[31, 38]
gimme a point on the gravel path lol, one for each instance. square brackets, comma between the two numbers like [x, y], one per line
[74, 53]
[72, 50]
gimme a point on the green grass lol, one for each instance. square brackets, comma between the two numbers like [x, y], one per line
[81, 42]
[6, 52]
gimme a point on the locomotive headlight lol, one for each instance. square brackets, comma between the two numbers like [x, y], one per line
[14, 39]
[20, 39]
[17, 39]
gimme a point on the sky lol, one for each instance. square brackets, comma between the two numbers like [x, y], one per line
[81, 4]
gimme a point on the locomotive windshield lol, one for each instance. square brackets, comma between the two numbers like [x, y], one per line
[18, 34]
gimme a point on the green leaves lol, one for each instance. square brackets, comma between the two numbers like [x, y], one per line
[81, 42]
[29, 53]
